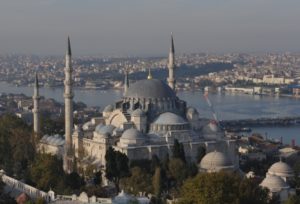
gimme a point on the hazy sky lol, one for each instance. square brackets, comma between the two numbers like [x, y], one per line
[142, 27]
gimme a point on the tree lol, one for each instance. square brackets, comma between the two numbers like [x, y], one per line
[201, 151]
[294, 199]
[98, 178]
[192, 169]
[157, 183]
[116, 166]
[155, 162]
[250, 192]
[177, 170]
[178, 150]
[74, 181]
[47, 172]
[40, 200]
[16, 146]
[221, 188]
[139, 181]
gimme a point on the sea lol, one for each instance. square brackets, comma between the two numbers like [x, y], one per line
[226, 106]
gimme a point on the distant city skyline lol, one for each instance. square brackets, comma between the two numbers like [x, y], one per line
[142, 28]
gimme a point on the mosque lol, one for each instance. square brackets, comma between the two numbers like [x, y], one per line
[144, 122]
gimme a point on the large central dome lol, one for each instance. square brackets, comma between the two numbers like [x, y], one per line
[150, 88]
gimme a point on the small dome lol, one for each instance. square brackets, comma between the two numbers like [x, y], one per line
[216, 161]
[274, 183]
[169, 118]
[138, 113]
[150, 88]
[108, 108]
[106, 129]
[98, 127]
[55, 140]
[132, 134]
[281, 169]
[87, 125]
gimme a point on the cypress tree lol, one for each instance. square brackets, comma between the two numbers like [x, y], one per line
[157, 183]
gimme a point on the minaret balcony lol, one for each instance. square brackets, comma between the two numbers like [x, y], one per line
[66, 95]
[36, 97]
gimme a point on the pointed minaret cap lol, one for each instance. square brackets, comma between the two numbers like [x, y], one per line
[172, 49]
[36, 82]
[69, 51]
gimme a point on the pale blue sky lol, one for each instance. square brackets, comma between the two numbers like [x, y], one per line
[142, 27]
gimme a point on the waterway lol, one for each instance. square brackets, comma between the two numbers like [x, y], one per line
[228, 106]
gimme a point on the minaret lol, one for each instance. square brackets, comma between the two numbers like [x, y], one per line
[126, 82]
[68, 95]
[36, 110]
[171, 65]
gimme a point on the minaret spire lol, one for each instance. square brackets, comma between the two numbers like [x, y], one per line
[69, 51]
[171, 65]
[126, 81]
[36, 110]
[68, 96]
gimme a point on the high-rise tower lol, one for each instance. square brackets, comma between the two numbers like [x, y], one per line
[36, 110]
[68, 95]
[171, 65]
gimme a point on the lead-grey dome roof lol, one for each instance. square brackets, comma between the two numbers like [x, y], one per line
[216, 161]
[149, 88]
[132, 134]
[105, 129]
[55, 140]
[281, 169]
[169, 118]
[274, 183]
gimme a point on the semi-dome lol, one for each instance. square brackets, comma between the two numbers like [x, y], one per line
[132, 137]
[138, 113]
[215, 162]
[150, 88]
[132, 134]
[281, 169]
[169, 118]
[274, 183]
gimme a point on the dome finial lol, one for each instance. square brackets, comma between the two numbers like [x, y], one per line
[149, 74]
